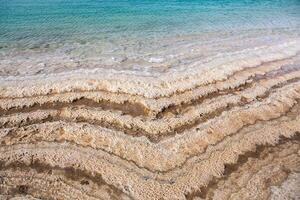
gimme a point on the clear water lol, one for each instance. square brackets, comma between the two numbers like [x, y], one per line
[94, 29]
[33, 22]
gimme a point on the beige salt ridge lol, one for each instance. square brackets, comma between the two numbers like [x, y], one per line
[172, 167]
[173, 152]
[259, 174]
[152, 105]
[56, 185]
[64, 155]
[159, 126]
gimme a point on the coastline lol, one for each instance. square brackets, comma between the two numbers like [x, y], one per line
[149, 100]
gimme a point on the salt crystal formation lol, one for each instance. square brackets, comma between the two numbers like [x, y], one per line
[220, 129]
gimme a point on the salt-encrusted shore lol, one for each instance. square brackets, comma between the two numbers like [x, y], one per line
[224, 128]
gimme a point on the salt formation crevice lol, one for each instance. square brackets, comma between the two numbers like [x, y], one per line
[225, 128]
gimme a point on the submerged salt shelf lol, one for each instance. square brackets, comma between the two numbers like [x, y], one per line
[149, 99]
[140, 37]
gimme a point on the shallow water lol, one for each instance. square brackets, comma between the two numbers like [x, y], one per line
[141, 36]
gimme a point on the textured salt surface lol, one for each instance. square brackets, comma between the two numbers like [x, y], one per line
[211, 115]
[231, 135]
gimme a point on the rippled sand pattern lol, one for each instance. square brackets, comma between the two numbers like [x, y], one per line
[204, 124]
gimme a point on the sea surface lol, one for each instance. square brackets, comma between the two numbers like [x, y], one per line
[147, 37]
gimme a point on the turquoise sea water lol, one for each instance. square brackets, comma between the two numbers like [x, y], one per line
[137, 36]
[29, 23]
